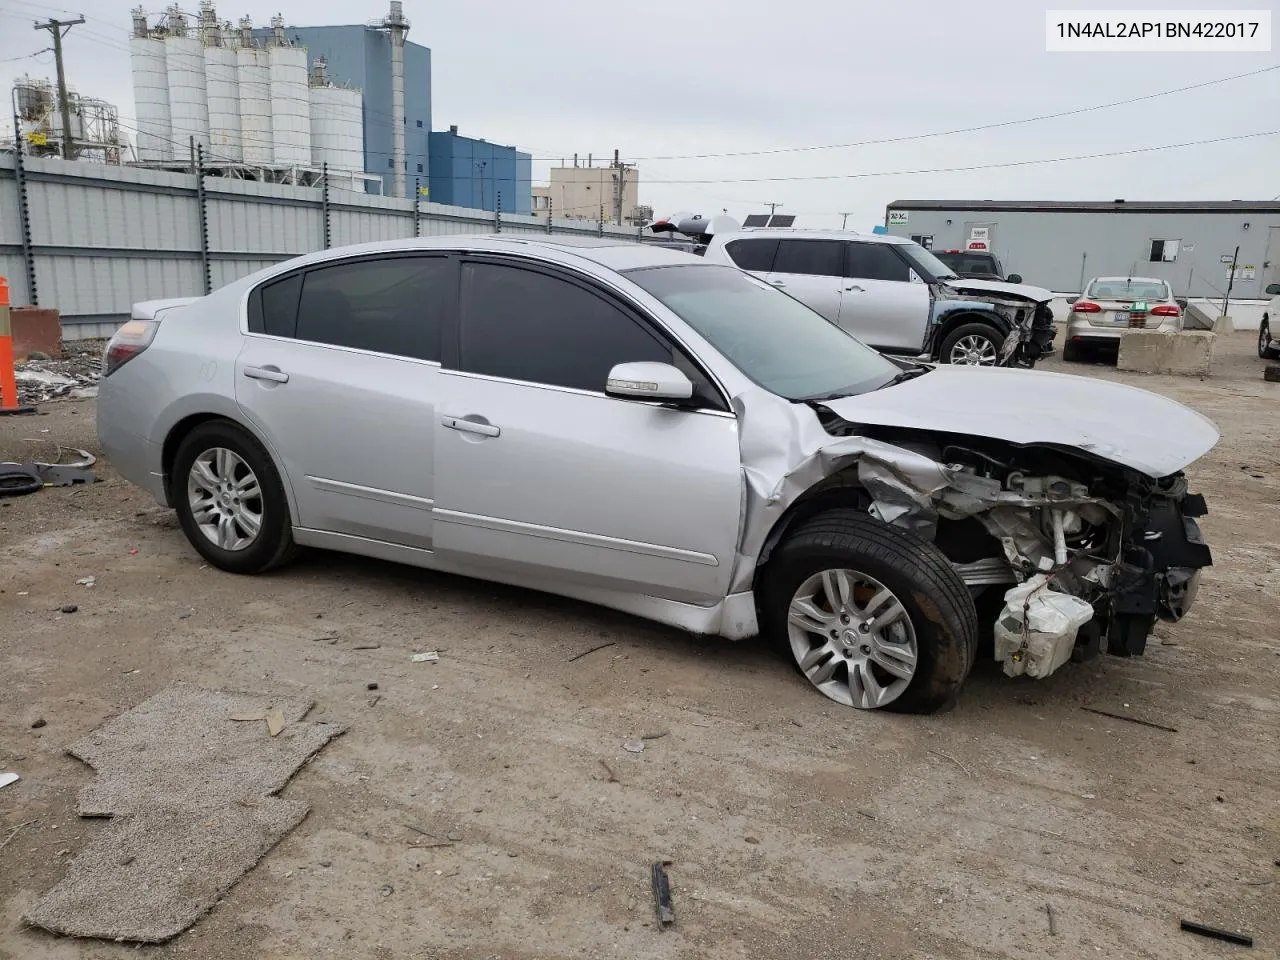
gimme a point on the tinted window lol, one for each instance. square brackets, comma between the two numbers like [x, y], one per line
[772, 338]
[277, 311]
[754, 254]
[875, 261]
[818, 258]
[524, 325]
[391, 306]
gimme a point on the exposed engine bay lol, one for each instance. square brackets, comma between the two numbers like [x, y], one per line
[1079, 556]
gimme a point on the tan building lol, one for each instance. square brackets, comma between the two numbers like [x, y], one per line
[588, 192]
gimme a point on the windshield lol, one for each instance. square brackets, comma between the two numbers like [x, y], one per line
[926, 264]
[1128, 289]
[774, 339]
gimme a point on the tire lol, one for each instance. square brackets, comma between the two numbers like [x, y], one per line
[937, 607]
[246, 551]
[981, 337]
[1265, 350]
[1070, 352]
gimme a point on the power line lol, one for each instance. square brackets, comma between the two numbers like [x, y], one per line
[957, 130]
[983, 166]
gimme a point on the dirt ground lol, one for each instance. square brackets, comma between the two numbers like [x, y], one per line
[797, 828]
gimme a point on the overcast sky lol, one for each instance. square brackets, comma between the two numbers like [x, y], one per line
[674, 77]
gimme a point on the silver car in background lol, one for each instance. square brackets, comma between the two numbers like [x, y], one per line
[676, 439]
[1111, 305]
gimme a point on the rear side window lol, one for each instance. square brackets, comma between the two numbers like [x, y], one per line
[875, 261]
[754, 254]
[389, 306]
[524, 325]
[275, 310]
[816, 258]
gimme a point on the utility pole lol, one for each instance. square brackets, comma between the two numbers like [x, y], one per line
[620, 171]
[772, 207]
[844, 219]
[58, 29]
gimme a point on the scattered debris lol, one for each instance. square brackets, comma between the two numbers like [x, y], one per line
[752, 840]
[579, 656]
[425, 833]
[947, 756]
[1243, 939]
[866, 813]
[17, 479]
[425, 657]
[1053, 930]
[14, 832]
[75, 374]
[373, 701]
[247, 716]
[68, 608]
[1121, 716]
[387, 890]
[654, 736]
[8, 778]
[87, 581]
[371, 685]
[275, 721]
[613, 777]
[633, 746]
[368, 646]
[662, 896]
[38, 722]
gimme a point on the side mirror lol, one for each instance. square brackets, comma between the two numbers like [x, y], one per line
[1072, 299]
[1014, 278]
[1181, 302]
[648, 381]
[1273, 290]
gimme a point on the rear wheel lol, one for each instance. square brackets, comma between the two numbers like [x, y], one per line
[1265, 350]
[873, 616]
[1071, 352]
[972, 344]
[230, 501]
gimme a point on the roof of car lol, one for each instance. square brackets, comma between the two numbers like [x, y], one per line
[1124, 279]
[794, 234]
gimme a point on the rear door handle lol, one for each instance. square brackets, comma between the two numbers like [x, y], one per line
[463, 425]
[274, 374]
[777, 283]
[856, 288]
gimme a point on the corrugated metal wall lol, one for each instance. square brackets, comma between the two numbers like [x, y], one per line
[106, 237]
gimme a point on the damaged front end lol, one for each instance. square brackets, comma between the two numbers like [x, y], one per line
[1029, 321]
[1065, 552]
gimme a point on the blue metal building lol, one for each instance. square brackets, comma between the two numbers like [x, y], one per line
[473, 173]
[360, 56]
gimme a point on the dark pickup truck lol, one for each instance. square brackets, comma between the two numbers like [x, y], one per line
[975, 265]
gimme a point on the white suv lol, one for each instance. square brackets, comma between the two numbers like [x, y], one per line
[896, 296]
[1269, 328]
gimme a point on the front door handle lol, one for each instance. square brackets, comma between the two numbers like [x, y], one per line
[272, 373]
[777, 283]
[855, 288]
[464, 425]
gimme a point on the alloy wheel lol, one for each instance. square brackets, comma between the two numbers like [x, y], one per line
[1264, 339]
[974, 350]
[225, 497]
[852, 638]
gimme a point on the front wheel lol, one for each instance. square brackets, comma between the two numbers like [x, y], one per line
[972, 344]
[230, 501]
[1265, 350]
[873, 616]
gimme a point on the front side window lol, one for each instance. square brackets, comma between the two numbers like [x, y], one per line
[754, 254]
[524, 325]
[391, 306]
[774, 339]
[876, 261]
[815, 258]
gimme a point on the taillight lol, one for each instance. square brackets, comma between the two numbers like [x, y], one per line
[1166, 310]
[129, 341]
[1085, 306]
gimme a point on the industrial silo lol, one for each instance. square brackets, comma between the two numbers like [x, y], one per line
[150, 93]
[223, 85]
[254, 73]
[290, 101]
[188, 99]
[337, 124]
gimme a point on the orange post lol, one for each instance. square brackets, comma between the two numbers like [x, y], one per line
[8, 383]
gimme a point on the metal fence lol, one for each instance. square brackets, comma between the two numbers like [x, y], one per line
[90, 240]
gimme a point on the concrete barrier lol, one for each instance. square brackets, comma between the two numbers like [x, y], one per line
[1154, 351]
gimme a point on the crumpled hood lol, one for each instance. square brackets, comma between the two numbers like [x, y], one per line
[1126, 425]
[1038, 294]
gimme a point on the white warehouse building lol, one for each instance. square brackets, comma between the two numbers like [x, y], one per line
[259, 111]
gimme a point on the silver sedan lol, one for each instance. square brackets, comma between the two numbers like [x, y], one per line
[668, 437]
